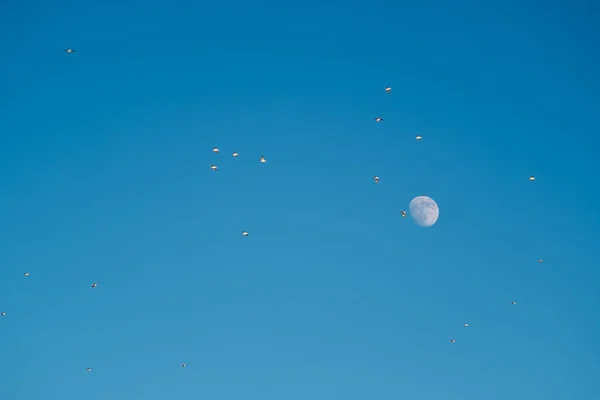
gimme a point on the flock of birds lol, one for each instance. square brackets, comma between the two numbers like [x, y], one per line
[375, 179]
[264, 160]
[235, 155]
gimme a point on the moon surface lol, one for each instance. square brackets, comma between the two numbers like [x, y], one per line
[424, 211]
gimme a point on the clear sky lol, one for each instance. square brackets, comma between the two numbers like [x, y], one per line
[105, 177]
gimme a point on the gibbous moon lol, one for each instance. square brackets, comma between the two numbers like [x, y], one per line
[424, 211]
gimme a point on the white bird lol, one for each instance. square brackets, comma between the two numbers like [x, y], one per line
[532, 178]
[235, 154]
[388, 89]
[466, 325]
[26, 274]
[452, 341]
[418, 137]
[94, 285]
[376, 179]
[540, 260]
[244, 233]
[88, 369]
[3, 314]
[183, 365]
[513, 303]
[213, 167]
[403, 213]
[70, 51]
[216, 150]
[263, 159]
[378, 119]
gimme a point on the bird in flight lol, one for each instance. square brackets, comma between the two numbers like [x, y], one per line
[26, 274]
[70, 51]
[244, 233]
[235, 154]
[213, 167]
[263, 159]
[418, 137]
[452, 341]
[376, 179]
[94, 285]
[388, 89]
[403, 213]
[216, 150]
[378, 119]
[532, 178]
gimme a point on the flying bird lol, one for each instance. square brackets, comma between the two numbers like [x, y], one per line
[94, 285]
[216, 150]
[466, 325]
[213, 167]
[388, 89]
[452, 341]
[418, 137]
[26, 274]
[513, 303]
[540, 261]
[235, 154]
[3, 314]
[70, 51]
[88, 369]
[403, 213]
[532, 178]
[376, 179]
[378, 119]
[244, 233]
[263, 159]
[182, 365]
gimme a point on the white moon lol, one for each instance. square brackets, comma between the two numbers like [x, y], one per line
[424, 211]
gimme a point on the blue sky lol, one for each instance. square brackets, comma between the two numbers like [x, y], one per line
[106, 178]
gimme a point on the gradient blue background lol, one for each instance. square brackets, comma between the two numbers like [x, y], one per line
[105, 177]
